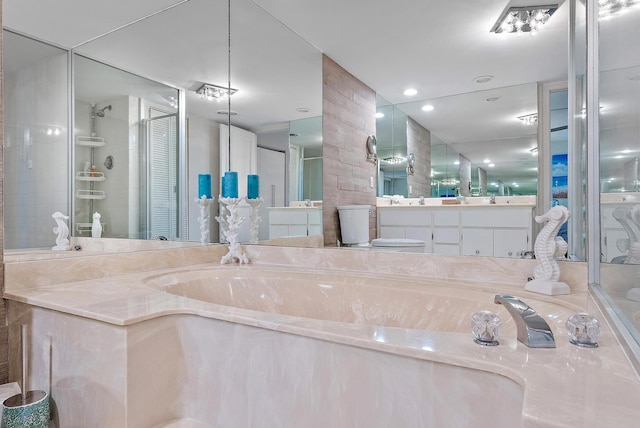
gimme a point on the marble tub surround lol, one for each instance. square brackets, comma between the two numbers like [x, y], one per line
[166, 351]
[86, 266]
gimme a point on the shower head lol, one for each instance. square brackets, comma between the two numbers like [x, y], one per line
[100, 113]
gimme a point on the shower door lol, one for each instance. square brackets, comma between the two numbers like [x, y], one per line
[159, 166]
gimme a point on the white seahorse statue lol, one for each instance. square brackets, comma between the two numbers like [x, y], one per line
[62, 232]
[546, 276]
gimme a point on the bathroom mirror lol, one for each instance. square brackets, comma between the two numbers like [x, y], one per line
[277, 74]
[619, 144]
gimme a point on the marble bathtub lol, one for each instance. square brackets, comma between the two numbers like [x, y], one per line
[305, 337]
[354, 298]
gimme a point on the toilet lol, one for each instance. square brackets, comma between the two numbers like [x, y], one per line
[354, 226]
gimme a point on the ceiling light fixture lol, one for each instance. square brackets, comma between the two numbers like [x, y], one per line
[427, 107]
[607, 8]
[526, 19]
[529, 119]
[394, 160]
[410, 92]
[214, 92]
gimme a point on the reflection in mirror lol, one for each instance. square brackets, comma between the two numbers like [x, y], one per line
[305, 145]
[391, 148]
[619, 136]
[496, 140]
[36, 123]
[277, 74]
[125, 154]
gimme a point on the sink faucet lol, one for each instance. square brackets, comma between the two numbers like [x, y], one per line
[533, 330]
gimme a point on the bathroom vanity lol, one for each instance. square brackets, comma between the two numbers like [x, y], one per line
[285, 222]
[492, 230]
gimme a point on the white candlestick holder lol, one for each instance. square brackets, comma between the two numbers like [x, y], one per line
[255, 205]
[230, 221]
[204, 203]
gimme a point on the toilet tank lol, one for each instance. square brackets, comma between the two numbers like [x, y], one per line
[354, 223]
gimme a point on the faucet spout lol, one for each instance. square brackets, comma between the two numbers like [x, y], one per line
[533, 330]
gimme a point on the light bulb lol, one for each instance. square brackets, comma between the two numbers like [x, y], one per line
[539, 15]
[519, 23]
[533, 24]
[534, 32]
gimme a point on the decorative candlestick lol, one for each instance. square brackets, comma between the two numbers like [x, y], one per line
[62, 230]
[204, 203]
[255, 218]
[229, 224]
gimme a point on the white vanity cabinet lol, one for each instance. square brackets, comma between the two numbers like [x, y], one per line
[285, 222]
[411, 223]
[496, 231]
[488, 230]
[446, 230]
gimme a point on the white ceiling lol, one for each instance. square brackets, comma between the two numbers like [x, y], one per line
[437, 47]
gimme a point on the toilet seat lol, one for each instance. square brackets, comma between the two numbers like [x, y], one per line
[397, 242]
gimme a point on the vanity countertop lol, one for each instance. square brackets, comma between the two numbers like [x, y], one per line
[563, 387]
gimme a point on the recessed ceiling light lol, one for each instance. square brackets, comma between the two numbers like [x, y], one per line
[491, 99]
[483, 79]
[427, 107]
[491, 165]
[486, 161]
[410, 92]
[625, 151]
[379, 115]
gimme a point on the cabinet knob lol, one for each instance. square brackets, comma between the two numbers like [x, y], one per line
[510, 253]
[477, 252]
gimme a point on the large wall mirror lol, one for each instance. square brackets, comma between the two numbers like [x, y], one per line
[141, 134]
[619, 137]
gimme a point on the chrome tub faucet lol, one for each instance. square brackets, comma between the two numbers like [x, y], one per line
[533, 330]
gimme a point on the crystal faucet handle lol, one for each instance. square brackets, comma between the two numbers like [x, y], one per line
[486, 328]
[584, 330]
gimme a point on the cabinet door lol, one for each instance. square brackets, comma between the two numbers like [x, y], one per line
[508, 242]
[477, 242]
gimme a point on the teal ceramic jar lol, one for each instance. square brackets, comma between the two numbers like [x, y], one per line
[30, 412]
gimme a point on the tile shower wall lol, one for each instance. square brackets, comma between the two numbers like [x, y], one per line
[419, 143]
[35, 147]
[348, 117]
[4, 340]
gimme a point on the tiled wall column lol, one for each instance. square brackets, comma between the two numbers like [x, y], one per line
[419, 143]
[4, 339]
[348, 117]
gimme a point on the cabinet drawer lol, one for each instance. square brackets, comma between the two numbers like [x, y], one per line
[446, 216]
[392, 232]
[403, 217]
[287, 217]
[497, 217]
[314, 217]
[446, 235]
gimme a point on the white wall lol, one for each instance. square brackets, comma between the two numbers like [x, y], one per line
[203, 147]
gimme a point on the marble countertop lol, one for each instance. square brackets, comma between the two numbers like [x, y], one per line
[564, 387]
